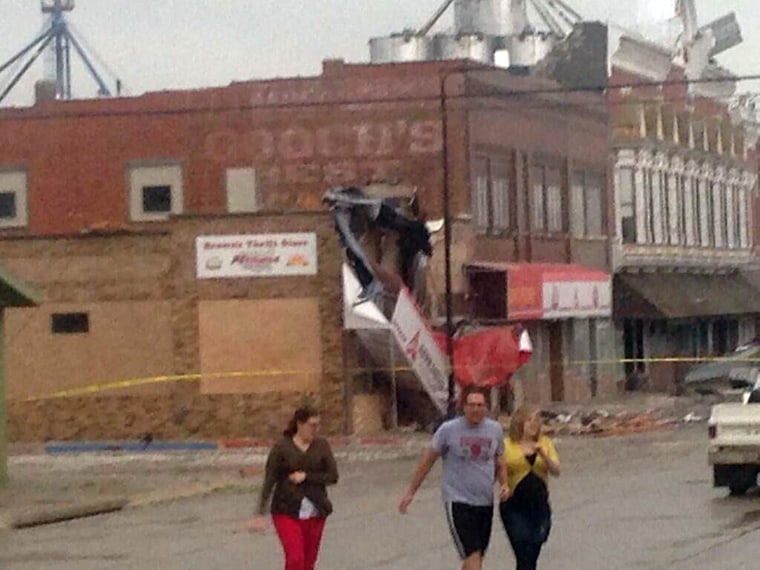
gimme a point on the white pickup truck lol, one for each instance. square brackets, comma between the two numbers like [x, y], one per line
[734, 450]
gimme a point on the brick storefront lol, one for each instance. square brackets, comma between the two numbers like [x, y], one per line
[102, 275]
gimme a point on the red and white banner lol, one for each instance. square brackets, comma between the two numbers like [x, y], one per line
[420, 349]
[554, 290]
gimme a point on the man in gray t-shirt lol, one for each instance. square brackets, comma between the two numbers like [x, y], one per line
[471, 446]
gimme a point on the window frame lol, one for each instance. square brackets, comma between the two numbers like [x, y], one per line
[493, 189]
[154, 174]
[547, 201]
[15, 180]
[69, 323]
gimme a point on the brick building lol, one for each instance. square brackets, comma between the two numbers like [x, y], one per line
[98, 198]
[685, 215]
[132, 305]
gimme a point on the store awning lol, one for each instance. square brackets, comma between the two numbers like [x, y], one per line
[683, 295]
[543, 290]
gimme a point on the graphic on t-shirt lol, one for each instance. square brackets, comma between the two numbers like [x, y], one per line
[476, 448]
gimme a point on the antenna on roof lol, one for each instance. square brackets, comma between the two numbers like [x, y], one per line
[58, 37]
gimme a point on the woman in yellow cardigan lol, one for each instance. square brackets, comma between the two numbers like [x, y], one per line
[530, 458]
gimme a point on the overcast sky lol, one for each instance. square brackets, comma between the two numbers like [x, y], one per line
[169, 44]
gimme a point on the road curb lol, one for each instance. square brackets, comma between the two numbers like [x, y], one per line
[64, 447]
[225, 444]
[49, 514]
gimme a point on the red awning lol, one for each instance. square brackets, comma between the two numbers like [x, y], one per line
[552, 290]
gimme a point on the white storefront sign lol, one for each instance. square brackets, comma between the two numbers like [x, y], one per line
[577, 299]
[256, 255]
[420, 349]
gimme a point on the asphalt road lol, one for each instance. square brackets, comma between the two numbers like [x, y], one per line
[639, 502]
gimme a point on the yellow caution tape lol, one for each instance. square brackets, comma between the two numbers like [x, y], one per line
[151, 380]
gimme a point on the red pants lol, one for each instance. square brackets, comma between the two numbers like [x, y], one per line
[300, 540]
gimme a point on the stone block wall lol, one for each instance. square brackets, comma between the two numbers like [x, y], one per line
[161, 266]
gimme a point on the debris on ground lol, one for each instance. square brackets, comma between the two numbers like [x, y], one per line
[638, 414]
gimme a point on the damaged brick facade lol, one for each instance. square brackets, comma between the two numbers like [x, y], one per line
[81, 165]
[102, 274]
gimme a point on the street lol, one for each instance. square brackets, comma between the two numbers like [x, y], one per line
[642, 501]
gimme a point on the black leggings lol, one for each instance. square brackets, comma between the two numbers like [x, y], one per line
[527, 532]
[526, 554]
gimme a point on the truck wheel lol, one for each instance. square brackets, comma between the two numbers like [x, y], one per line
[742, 480]
[738, 489]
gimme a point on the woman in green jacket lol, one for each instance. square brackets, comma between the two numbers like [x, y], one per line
[299, 468]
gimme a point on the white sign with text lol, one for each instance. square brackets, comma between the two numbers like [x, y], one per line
[256, 255]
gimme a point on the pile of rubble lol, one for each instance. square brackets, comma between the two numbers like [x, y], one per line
[635, 415]
[603, 423]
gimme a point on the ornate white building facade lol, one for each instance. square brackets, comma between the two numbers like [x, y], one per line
[685, 175]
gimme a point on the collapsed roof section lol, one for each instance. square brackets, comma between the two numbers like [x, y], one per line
[387, 247]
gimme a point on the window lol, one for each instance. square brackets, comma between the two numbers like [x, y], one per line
[732, 225]
[587, 204]
[537, 193]
[7, 205]
[578, 204]
[711, 208]
[70, 323]
[744, 219]
[554, 200]
[691, 211]
[500, 195]
[719, 215]
[241, 190]
[705, 213]
[492, 194]
[13, 199]
[658, 207]
[684, 203]
[649, 208]
[696, 195]
[480, 195]
[627, 204]
[548, 210]
[155, 192]
[157, 199]
[671, 184]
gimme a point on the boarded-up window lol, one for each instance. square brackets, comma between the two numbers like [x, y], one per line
[257, 346]
[241, 190]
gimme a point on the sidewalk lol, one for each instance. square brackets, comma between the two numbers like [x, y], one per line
[48, 487]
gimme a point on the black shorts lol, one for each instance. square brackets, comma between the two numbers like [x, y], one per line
[470, 527]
